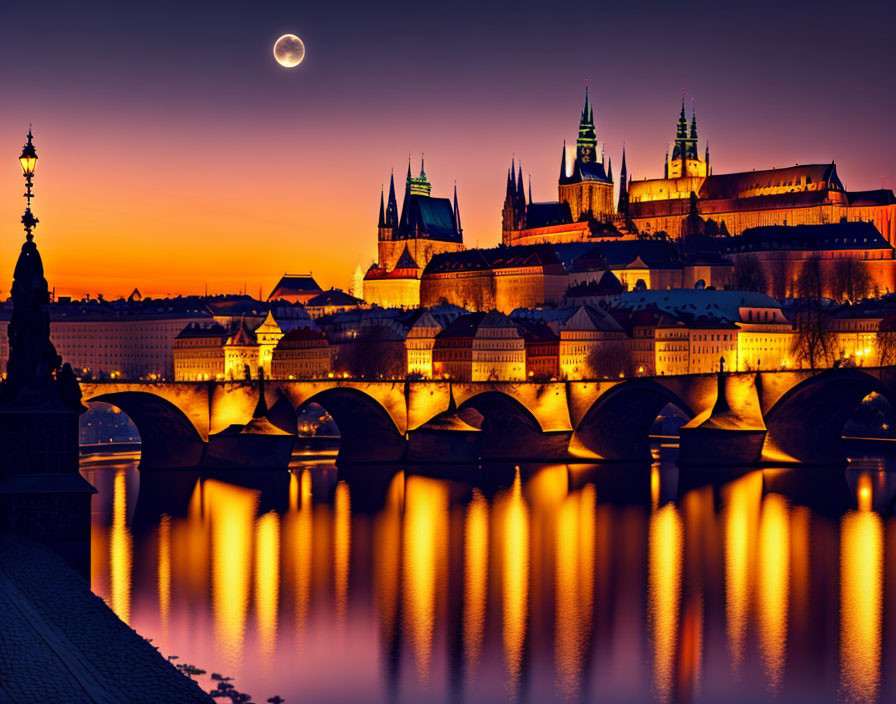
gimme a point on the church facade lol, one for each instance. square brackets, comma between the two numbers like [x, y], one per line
[406, 242]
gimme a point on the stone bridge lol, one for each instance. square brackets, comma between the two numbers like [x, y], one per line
[737, 418]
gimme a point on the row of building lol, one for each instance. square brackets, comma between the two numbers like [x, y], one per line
[640, 333]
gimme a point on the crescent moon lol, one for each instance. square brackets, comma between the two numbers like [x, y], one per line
[289, 51]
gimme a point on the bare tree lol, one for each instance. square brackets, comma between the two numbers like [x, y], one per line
[748, 274]
[814, 339]
[851, 280]
[609, 360]
[886, 342]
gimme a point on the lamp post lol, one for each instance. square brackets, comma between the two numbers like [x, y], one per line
[28, 160]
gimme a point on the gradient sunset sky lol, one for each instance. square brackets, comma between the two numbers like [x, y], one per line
[175, 153]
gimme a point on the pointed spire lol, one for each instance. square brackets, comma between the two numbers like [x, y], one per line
[623, 173]
[530, 188]
[521, 192]
[610, 169]
[422, 170]
[586, 108]
[392, 205]
[693, 134]
[409, 168]
[382, 220]
[456, 210]
[513, 170]
[563, 163]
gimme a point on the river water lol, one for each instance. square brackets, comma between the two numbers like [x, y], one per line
[536, 583]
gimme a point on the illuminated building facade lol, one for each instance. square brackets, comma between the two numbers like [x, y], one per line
[241, 354]
[783, 250]
[504, 278]
[301, 354]
[199, 352]
[267, 335]
[584, 333]
[427, 226]
[419, 343]
[498, 350]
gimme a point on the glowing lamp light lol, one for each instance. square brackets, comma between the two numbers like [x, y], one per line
[28, 160]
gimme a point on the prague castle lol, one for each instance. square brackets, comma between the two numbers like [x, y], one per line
[810, 194]
[407, 242]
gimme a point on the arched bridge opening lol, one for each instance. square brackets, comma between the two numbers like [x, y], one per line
[366, 431]
[509, 430]
[806, 424]
[168, 438]
[618, 425]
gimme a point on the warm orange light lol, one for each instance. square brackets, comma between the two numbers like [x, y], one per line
[120, 547]
[773, 594]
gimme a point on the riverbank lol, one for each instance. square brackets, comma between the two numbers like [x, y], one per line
[60, 642]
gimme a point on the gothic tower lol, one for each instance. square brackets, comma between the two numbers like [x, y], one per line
[513, 215]
[588, 190]
[686, 161]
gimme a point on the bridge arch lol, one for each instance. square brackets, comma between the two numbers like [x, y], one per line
[168, 438]
[806, 424]
[617, 425]
[509, 430]
[368, 433]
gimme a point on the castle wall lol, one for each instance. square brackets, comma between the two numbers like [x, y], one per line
[393, 292]
[782, 267]
[473, 290]
[736, 221]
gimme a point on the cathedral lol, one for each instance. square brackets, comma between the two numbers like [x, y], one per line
[584, 210]
[406, 242]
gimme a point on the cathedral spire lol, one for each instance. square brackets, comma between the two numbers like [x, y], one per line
[693, 134]
[623, 185]
[382, 220]
[682, 131]
[392, 205]
[610, 169]
[422, 170]
[520, 191]
[586, 144]
[530, 188]
[706, 158]
[456, 210]
[563, 163]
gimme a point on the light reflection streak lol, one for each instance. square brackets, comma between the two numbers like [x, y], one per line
[664, 594]
[574, 581]
[741, 524]
[164, 572]
[476, 546]
[302, 533]
[267, 582]
[120, 547]
[425, 530]
[861, 599]
[773, 591]
[231, 512]
[515, 580]
[342, 546]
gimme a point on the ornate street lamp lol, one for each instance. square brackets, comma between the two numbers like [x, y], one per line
[28, 160]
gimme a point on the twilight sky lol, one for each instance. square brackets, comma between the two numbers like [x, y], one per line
[175, 153]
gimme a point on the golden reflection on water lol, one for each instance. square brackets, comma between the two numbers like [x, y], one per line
[120, 546]
[299, 528]
[514, 531]
[424, 537]
[342, 547]
[164, 572]
[267, 581]
[861, 598]
[774, 586]
[476, 546]
[664, 594]
[741, 523]
[387, 560]
[574, 583]
[231, 512]
[538, 573]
